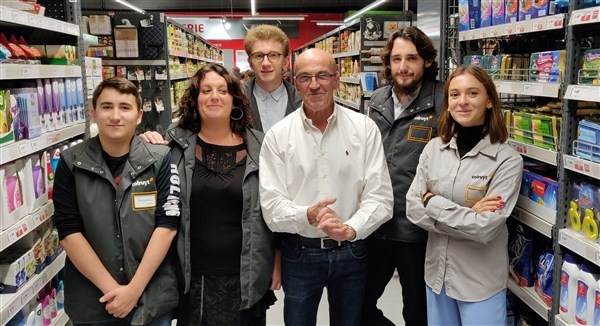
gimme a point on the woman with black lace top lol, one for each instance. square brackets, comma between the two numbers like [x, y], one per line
[225, 248]
[466, 185]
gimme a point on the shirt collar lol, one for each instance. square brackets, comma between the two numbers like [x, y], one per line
[484, 146]
[307, 122]
[264, 95]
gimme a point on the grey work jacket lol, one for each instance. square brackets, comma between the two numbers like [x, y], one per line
[403, 141]
[294, 101]
[258, 248]
[117, 233]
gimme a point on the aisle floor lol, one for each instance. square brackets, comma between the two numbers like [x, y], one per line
[390, 303]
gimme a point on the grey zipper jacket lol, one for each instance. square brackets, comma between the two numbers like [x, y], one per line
[258, 247]
[403, 142]
[118, 234]
[294, 101]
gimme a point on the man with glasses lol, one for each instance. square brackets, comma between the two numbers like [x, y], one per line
[271, 97]
[324, 183]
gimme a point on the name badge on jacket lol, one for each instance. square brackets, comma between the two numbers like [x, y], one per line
[143, 200]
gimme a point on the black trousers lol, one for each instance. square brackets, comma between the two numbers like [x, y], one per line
[408, 259]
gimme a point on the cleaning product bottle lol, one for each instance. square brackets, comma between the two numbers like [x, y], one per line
[60, 295]
[568, 288]
[584, 305]
[52, 304]
[46, 314]
[597, 304]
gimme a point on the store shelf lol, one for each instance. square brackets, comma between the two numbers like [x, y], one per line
[134, 62]
[25, 225]
[23, 148]
[346, 54]
[533, 221]
[579, 165]
[559, 321]
[10, 304]
[24, 71]
[585, 16]
[583, 93]
[527, 88]
[530, 297]
[18, 17]
[180, 54]
[179, 76]
[350, 80]
[349, 104]
[532, 151]
[61, 318]
[579, 244]
[521, 27]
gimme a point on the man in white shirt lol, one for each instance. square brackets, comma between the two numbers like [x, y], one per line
[325, 183]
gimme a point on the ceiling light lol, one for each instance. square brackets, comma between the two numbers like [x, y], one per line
[130, 6]
[363, 10]
[327, 22]
[253, 7]
[273, 17]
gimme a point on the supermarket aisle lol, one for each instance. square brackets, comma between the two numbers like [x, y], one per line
[390, 302]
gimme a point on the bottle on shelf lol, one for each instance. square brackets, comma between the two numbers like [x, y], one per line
[568, 288]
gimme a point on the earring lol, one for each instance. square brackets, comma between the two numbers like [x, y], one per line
[241, 115]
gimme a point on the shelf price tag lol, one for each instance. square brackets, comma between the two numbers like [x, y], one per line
[28, 72]
[14, 308]
[17, 232]
[503, 87]
[40, 218]
[533, 89]
[539, 26]
[555, 22]
[576, 17]
[578, 165]
[521, 148]
[589, 93]
[571, 242]
[25, 148]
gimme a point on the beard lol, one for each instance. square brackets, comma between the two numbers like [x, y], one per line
[408, 88]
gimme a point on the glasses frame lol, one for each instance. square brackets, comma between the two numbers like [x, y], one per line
[254, 55]
[320, 78]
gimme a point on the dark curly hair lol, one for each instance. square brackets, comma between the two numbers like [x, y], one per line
[424, 46]
[188, 107]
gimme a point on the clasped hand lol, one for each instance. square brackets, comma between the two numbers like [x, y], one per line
[121, 300]
[329, 221]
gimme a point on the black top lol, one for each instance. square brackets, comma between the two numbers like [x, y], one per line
[467, 138]
[216, 202]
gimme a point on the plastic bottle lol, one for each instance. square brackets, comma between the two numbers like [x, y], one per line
[46, 313]
[60, 296]
[597, 304]
[568, 289]
[586, 285]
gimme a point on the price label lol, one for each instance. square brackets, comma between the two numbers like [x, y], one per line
[595, 15]
[509, 29]
[571, 242]
[539, 26]
[589, 93]
[533, 89]
[521, 148]
[25, 296]
[28, 72]
[555, 22]
[16, 233]
[72, 72]
[31, 19]
[36, 144]
[55, 138]
[14, 308]
[39, 218]
[597, 258]
[25, 148]
[484, 33]
[503, 87]
[576, 17]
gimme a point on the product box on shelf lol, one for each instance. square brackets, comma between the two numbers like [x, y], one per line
[587, 145]
[590, 73]
[79, 96]
[13, 269]
[42, 106]
[31, 7]
[469, 16]
[540, 8]
[498, 12]
[547, 67]
[24, 105]
[11, 193]
[7, 131]
[57, 103]
[538, 195]
[34, 181]
[100, 25]
[486, 13]
[511, 12]
[525, 9]
[49, 110]
[584, 208]
[126, 42]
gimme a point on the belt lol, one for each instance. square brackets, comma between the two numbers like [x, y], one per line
[322, 243]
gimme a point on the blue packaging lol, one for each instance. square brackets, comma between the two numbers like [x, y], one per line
[543, 283]
[588, 140]
[468, 14]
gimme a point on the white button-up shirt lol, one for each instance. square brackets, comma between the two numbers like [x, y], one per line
[271, 106]
[467, 252]
[300, 166]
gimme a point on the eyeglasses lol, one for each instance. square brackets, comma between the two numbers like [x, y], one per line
[258, 57]
[322, 78]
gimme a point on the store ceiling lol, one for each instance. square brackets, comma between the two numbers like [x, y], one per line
[225, 6]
